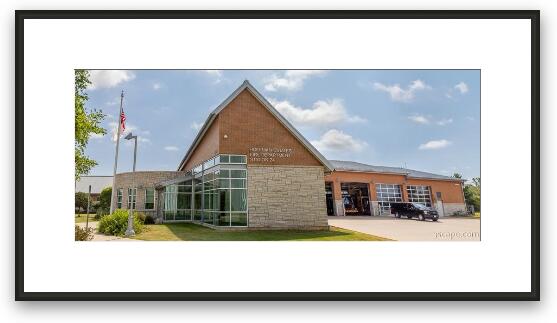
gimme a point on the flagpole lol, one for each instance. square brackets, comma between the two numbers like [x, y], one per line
[116, 155]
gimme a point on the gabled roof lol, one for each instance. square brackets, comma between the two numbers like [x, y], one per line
[342, 165]
[247, 85]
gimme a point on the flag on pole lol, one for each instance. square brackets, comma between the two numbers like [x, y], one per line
[123, 121]
[119, 130]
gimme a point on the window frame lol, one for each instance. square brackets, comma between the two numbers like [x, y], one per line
[134, 195]
[119, 197]
[154, 199]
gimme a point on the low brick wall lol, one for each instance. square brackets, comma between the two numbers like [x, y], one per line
[141, 180]
[287, 197]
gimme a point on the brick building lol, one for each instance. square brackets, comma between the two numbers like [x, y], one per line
[249, 167]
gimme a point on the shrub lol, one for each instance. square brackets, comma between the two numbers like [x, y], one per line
[116, 223]
[82, 234]
[104, 198]
[149, 219]
[100, 213]
[140, 215]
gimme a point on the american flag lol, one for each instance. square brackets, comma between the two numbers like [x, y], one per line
[123, 121]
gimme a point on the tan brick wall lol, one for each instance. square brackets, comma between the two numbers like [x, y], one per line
[290, 197]
[141, 180]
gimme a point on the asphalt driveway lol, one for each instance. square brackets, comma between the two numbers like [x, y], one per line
[445, 229]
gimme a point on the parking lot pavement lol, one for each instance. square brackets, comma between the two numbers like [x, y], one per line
[445, 229]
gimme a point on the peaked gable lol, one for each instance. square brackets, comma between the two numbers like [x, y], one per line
[283, 145]
[248, 128]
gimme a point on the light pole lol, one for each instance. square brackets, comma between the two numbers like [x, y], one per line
[129, 230]
[130, 137]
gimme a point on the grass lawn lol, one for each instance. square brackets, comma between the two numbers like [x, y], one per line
[81, 218]
[195, 232]
[477, 214]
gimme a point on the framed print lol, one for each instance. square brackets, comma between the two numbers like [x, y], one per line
[277, 155]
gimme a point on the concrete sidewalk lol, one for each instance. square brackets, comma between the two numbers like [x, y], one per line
[445, 229]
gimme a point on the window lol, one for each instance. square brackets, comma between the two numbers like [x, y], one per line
[232, 159]
[131, 198]
[149, 198]
[387, 193]
[119, 194]
[237, 159]
[178, 201]
[419, 194]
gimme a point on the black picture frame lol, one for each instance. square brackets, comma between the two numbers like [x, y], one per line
[533, 295]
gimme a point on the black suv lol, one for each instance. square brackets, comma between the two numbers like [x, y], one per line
[412, 210]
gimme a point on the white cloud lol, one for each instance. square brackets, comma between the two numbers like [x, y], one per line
[114, 101]
[399, 94]
[462, 87]
[196, 126]
[142, 135]
[171, 148]
[291, 80]
[419, 119]
[96, 136]
[321, 113]
[108, 78]
[336, 140]
[435, 144]
[444, 122]
[157, 86]
[216, 74]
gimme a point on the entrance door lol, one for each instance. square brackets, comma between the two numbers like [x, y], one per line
[329, 198]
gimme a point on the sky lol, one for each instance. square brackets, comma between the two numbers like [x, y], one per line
[427, 120]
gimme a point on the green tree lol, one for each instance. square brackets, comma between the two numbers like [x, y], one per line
[104, 198]
[472, 193]
[86, 123]
[80, 201]
[457, 175]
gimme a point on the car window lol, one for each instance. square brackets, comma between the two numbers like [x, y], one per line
[419, 206]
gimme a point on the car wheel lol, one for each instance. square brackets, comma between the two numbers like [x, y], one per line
[421, 217]
[397, 215]
[435, 219]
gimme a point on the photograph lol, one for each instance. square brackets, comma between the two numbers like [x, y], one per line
[272, 154]
[277, 155]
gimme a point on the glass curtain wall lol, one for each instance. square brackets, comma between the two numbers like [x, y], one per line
[178, 201]
[216, 194]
